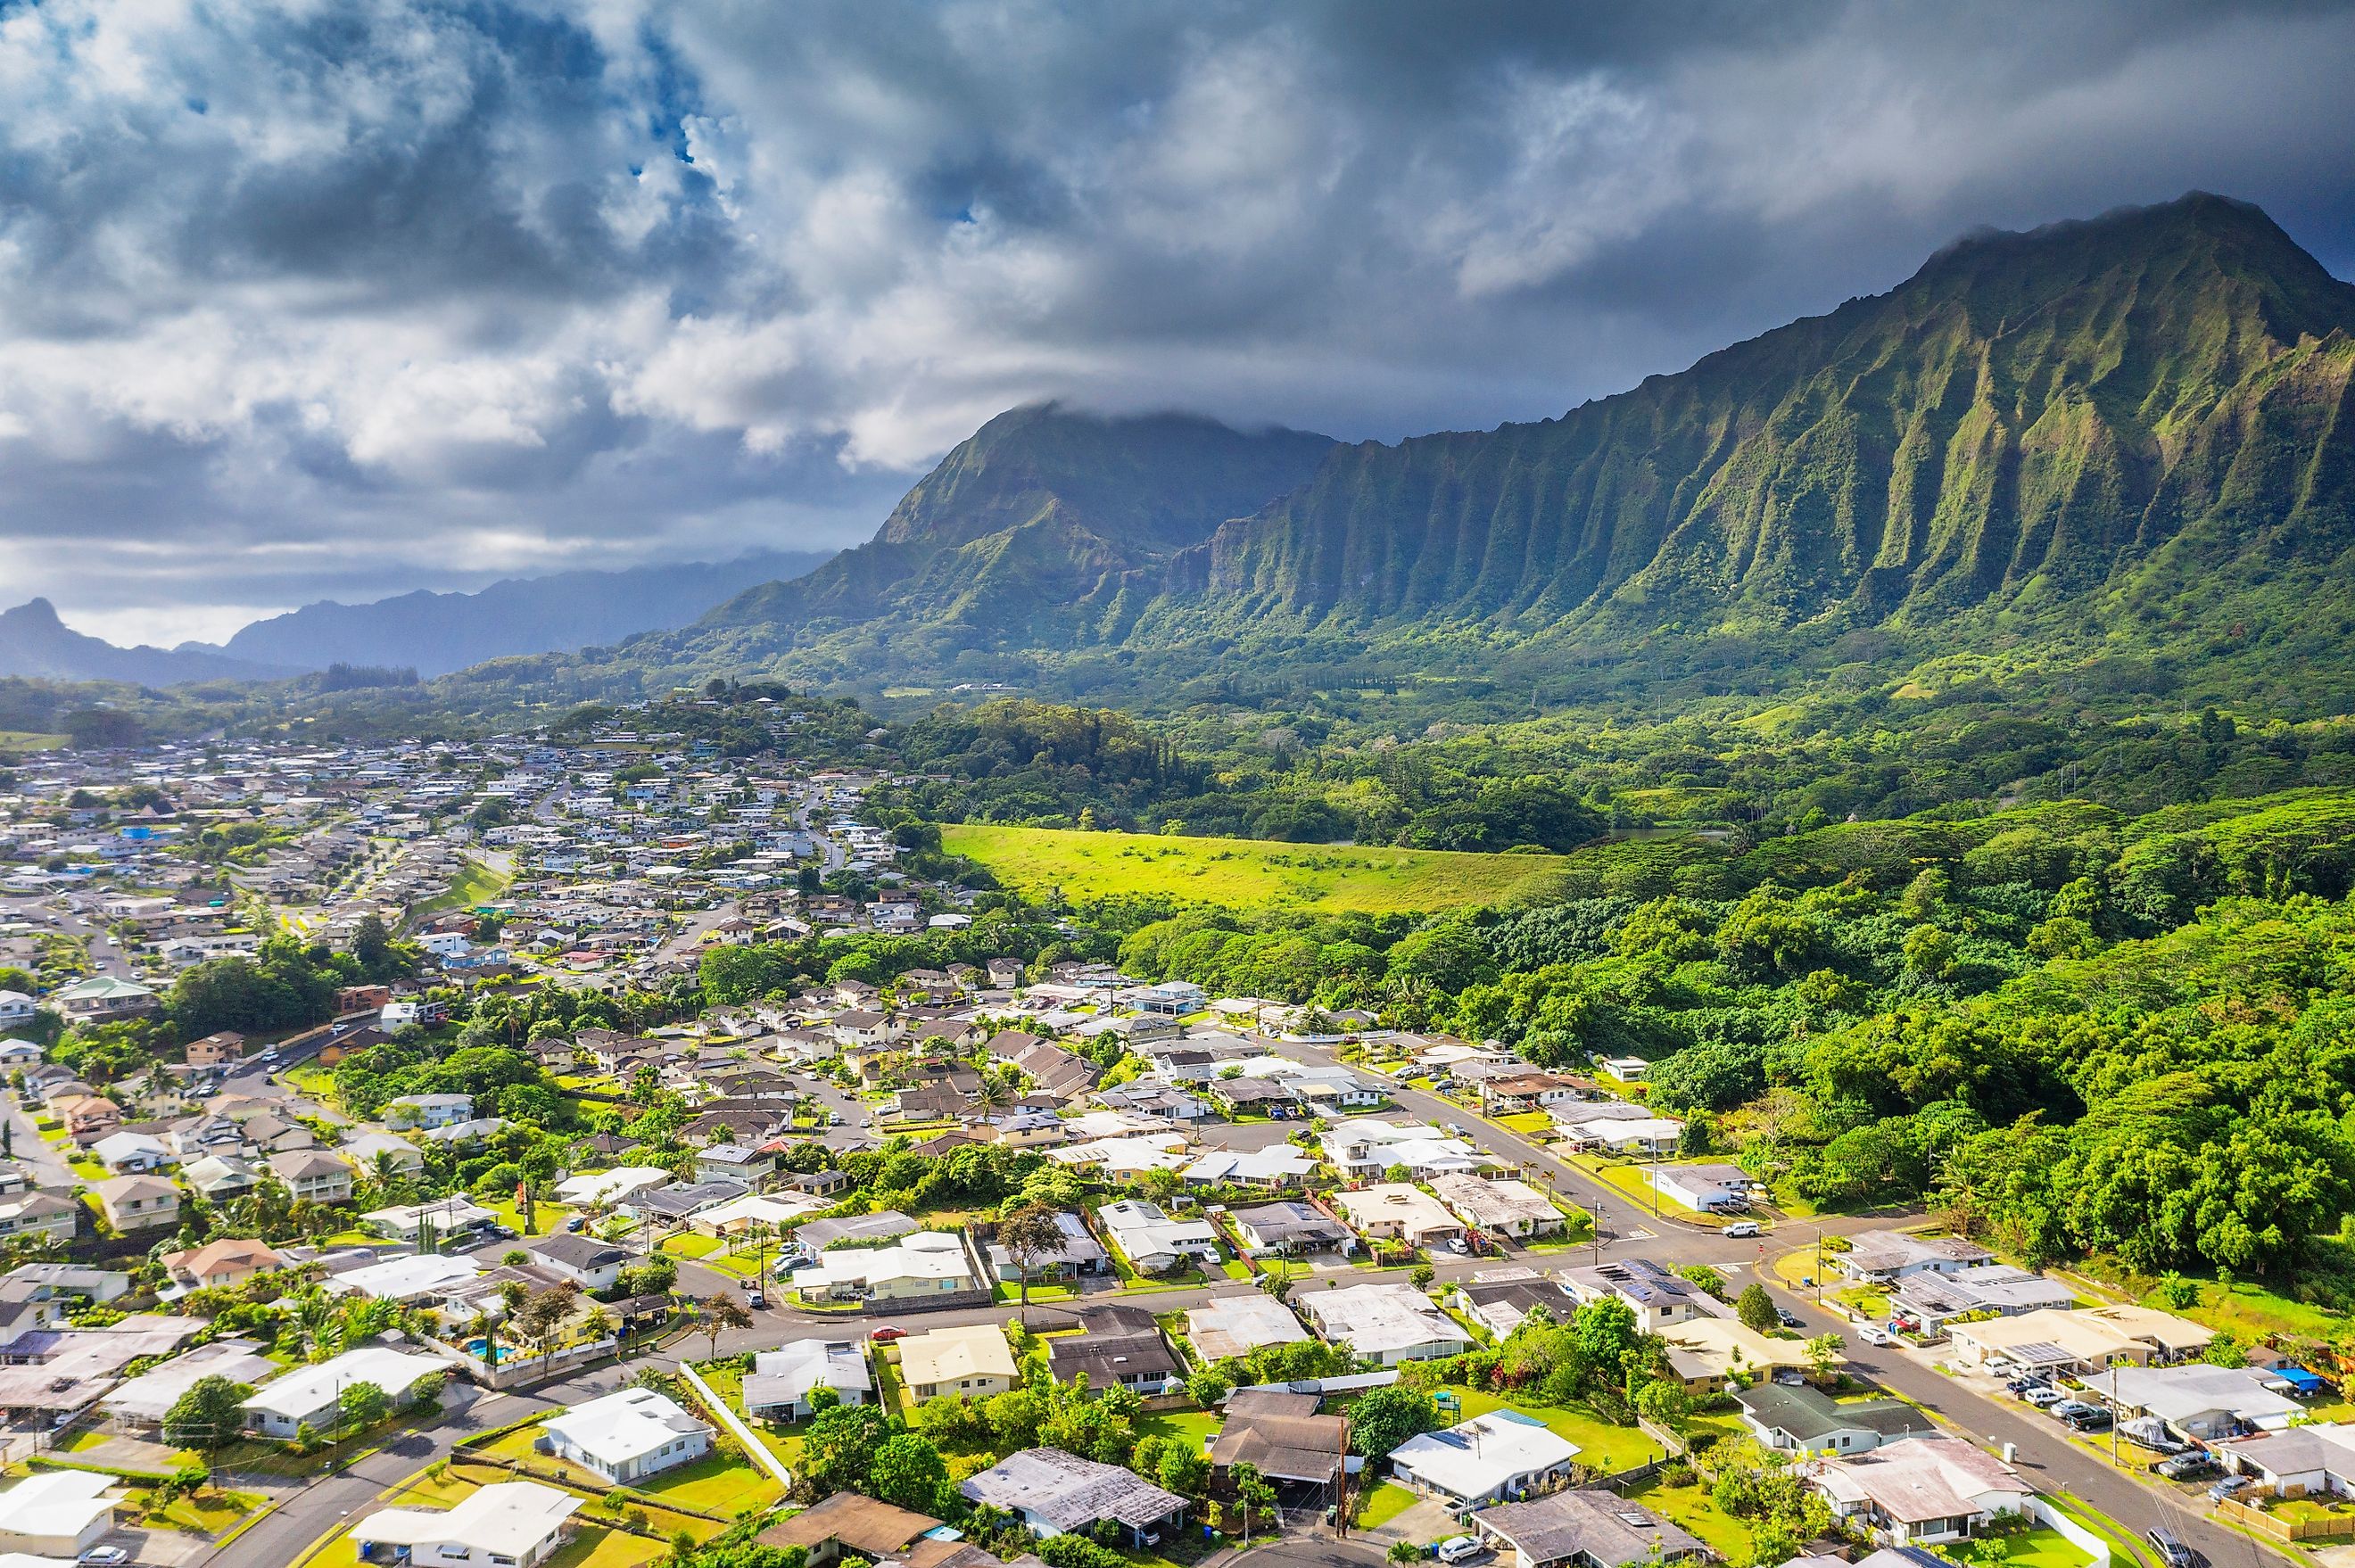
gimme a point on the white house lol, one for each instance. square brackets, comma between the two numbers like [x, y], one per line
[57, 1513]
[1056, 1493]
[591, 1264]
[2198, 1403]
[507, 1524]
[1490, 1459]
[1703, 1189]
[411, 1112]
[625, 1437]
[308, 1396]
[779, 1386]
[1395, 1212]
[1389, 1323]
[16, 1007]
[1151, 1241]
[609, 1186]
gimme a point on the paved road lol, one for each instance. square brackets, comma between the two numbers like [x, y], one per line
[40, 1161]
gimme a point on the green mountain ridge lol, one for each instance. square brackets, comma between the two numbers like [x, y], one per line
[2121, 443]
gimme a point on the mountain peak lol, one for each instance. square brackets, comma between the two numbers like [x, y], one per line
[33, 612]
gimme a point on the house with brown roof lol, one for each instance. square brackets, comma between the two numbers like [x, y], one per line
[229, 1261]
[864, 1526]
[138, 1202]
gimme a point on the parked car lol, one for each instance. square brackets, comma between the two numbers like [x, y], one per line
[1874, 1334]
[758, 1299]
[1741, 1228]
[576, 1224]
[2186, 1466]
[1454, 1131]
[1790, 1318]
[2069, 1407]
[1457, 1244]
[2219, 1491]
[886, 1334]
[104, 1556]
[2043, 1396]
[2091, 1421]
[2170, 1546]
[1458, 1549]
[2026, 1385]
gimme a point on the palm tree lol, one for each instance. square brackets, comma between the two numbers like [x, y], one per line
[1029, 1233]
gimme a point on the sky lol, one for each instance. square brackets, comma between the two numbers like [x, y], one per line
[341, 298]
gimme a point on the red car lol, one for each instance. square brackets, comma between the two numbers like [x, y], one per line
[886, 1334]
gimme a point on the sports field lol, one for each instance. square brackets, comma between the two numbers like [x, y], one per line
[1244, 873]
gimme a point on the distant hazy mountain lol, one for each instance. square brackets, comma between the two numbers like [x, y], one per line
[438, 632]
[33, 642]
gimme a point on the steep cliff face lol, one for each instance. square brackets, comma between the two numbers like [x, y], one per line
[2031, 418]
[1030, 530]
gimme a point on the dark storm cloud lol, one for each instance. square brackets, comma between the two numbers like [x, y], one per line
[312, 298]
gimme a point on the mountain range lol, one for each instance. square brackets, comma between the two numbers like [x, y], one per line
[430, 633]
[2131, 435]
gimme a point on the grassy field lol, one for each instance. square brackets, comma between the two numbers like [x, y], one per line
[1600, 1446]
[477, 884]
[29, 740]
[1246, 873]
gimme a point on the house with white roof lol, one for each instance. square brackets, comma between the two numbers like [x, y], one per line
[1884, 1257]
[1395, 1212]
[779, 1386]
[520, 1523]
[1389, 1323]
[1506, 1207]
[1277, 1168]
[1703, 1189]
[409, 1279]
[308, 1396]
[1491, 1458]
[2198, 1403]
[927, 1263]
[609, 1186]
[1123, 1159]
[412, 1113]
[57, 1513]
[1233, 1326]
[2298, 1459]
[1619, 1127]
[625, 1437]
[1151, 1241]
[1057, 1493]
[1366, 1147]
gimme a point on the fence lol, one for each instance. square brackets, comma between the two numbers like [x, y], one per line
[2096, 1549]
[2272, 1527]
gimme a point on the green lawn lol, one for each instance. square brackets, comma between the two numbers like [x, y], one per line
[687, 1244]
[2032, 1549]
[477, 884]
[1191, 1427]
[29, 740]
[1383, 1504]
[1691, 1507]
[207, 1513]
[1245, 873]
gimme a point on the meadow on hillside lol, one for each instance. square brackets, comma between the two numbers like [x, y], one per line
[1246, 873]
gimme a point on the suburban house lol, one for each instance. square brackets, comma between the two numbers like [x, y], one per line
[104, 999]
[86, 1117]
[307, 1396]
[1080, 1254]
[1056, 1493]
[314, 1176]
[1801, 1419]
[127, 1154]
[848, 1522]
[138, 1202]
[414, 1113]
[974, 1360]
[2198, 1404]
[2079, 1343]
[1508, 1207]
[1659, 1296]
[57, 1515]
[222, 1050]
[1703, 1189]
[1117, 1347]
[1280, 1435]
[1585, 1529]
[1289, 1228]
[1921, 1490]
[1490, 1459]
[218, 1265]
[507, 1522]
[1934, 1298]
[16, 1008]
[591, 1264]
[625, 1437]
[1517, 1091]
[927, 1263]
[1500, 1299]
[1395, 1212]
[1884, 1257]
[778, 1387]
[38, 1213]
[2319, 1458]
[1152, 1242]
[1707, 1353]
[1238, 1324]
[1389, 1323]
[1277, 1168]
